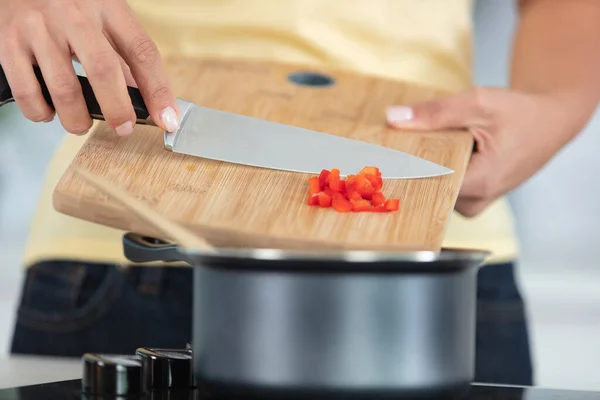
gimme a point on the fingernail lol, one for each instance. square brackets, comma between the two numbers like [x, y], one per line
[399, 114]
[169, 119]
[124, 129]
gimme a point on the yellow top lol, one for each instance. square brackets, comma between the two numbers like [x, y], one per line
[422, 41]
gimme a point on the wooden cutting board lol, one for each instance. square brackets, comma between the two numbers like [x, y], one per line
[235, 205]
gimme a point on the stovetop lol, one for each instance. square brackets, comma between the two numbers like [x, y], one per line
[152, 374]
[71, 390]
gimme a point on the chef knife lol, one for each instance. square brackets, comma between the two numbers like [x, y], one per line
[240, 139]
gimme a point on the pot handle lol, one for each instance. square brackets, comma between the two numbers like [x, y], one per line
[140, 249]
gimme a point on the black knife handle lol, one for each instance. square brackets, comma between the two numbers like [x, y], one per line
[137, 101]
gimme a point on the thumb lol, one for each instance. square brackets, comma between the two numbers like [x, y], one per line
[445, 113]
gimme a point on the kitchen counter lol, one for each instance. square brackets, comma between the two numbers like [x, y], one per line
[52, 378]
[71, 389]
[28, 370]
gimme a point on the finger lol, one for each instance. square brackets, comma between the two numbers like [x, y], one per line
[18, 68]
[124, 67]
[453, 112]
[479, 181]
[477, 189]
[60, 78]
[126, 71]
[470, 207]
[104, 72]
[143, 58]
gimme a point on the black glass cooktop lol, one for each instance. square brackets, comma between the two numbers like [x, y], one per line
[168, 374]
[71, 390]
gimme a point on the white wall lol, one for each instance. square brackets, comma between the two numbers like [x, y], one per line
[559, 237]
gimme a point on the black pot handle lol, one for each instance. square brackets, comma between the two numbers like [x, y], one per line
[137, 101]
[140, 249]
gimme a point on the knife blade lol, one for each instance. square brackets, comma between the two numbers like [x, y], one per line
[239, 139]
[225, 136]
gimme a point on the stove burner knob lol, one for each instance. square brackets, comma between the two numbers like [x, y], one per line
[111, 375]
[166, 369]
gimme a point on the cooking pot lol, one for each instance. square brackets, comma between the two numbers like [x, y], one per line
[369, 324]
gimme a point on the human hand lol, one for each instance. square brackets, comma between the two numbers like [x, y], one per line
[516, 135]
[114, 50]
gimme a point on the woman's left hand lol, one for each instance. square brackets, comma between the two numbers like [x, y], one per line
[516, 135]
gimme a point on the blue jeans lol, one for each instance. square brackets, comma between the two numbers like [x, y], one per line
[68, 309]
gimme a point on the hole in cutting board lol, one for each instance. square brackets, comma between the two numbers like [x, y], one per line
[311, 79]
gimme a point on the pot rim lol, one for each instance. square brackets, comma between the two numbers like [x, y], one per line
[351, 256]
[327, 262]
[138, 249]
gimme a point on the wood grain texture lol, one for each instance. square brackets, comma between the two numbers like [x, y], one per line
[238, 206]
[185, 238]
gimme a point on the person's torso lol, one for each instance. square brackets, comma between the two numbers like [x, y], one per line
[422, 41]
[425, 41]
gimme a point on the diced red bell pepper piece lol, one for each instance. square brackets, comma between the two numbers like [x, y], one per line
[371, 171]
[361, 192]
[353, 195]
[364, 187]
[337, 195]
[378, 199]
[340, 203]
[360, 205]
[314, 185]
[350, 183]
[329, 192]
[335, 183]
[313, 199]
[324, 178]
[313, 191]
[338, 185]
[324, 200]
[334, 174]
[375, 181]
[380, 208]
[392, 204]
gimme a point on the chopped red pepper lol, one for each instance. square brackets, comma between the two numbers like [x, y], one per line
[324, 200]
[375, 181]
[350, 183]
[338, 186]
[380, 208]
[315, 186]
[360, 205]
[353, 195]
[364, 187]
[329, 192]
[335, 183]
[324, 178]
[378, 199]
[370, 170]
[358, 193]
[314, 189]
[339, 203]
[392, 204]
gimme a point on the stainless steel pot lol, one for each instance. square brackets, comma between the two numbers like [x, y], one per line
[353, 323]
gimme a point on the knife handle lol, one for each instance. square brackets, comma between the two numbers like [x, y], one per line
[137, 101]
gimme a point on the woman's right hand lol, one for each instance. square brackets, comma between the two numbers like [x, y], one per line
[112, 47]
